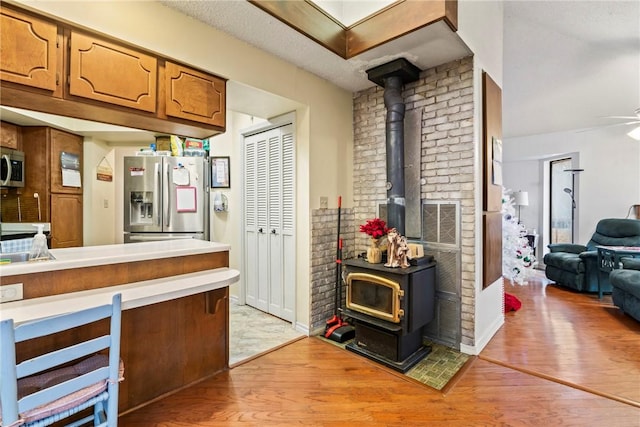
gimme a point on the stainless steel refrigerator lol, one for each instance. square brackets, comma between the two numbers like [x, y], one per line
[166, 198]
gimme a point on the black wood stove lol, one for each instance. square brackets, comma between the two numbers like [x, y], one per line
[389, 308]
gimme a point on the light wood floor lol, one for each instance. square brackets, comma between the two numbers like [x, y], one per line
[564, 359]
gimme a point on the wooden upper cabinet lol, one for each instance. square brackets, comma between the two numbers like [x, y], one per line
[29, 50]
[68, 146]
[194, 95]
[94, 77]
[9, 136]
[112, 73]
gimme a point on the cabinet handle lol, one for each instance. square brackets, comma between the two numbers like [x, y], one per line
[273, 231]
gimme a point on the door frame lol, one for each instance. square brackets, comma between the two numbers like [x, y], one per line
[544, 214]
[272, 123]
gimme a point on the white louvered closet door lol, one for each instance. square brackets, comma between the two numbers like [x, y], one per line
[288, 222]
[269, 221]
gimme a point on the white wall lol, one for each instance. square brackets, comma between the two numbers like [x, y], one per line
[480, 26]
[226, 227]
[324, 120]
[489, 316]
[99, 206]
[525, 175]
[609, 185]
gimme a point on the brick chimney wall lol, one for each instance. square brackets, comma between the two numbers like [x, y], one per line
[445, 96]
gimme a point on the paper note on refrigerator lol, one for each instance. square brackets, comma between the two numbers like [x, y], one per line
[181, 176]
[186, 199]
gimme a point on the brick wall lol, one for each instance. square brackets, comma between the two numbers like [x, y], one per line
[324, 225]
[444, 94]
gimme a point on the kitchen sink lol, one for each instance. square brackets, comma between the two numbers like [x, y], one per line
[13, 257]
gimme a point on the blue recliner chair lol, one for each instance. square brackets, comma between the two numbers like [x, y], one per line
[576, 266]
[626, 287]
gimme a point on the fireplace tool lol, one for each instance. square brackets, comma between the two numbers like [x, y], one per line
[340, 331]
[337, 329]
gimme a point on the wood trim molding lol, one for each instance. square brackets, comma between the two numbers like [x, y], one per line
[396, 20]
[19, 97]
[492, 194]
[79, 279]
[492, 247]
[309, 20]
[491, 128]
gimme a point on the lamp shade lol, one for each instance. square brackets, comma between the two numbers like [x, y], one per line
[521, 198]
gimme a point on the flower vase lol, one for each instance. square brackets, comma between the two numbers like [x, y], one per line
[374, 253]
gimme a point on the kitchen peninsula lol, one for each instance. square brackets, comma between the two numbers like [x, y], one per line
[175, 307]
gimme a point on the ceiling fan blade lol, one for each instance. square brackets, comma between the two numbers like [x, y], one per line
[609, 126]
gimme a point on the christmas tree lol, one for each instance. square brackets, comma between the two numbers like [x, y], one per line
[517, 255]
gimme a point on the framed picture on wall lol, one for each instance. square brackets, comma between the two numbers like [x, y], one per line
[220, 174]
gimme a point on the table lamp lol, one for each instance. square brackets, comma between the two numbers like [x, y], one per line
[521, 198]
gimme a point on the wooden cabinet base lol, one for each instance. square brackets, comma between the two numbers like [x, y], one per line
[164, 346]
[170, 345]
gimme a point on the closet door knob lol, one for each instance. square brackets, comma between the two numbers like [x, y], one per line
[273, 231]
[260, 230]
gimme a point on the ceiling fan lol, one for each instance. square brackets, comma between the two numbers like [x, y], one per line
[629, 120]
[632, 119]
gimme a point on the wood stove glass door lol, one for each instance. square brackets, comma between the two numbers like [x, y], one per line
[374, 295]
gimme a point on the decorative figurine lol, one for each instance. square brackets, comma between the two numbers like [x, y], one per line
[398, 252]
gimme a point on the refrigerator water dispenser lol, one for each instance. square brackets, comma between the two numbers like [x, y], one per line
[141, 207]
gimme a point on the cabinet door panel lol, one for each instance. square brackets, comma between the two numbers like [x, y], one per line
[28, 50]
[66, 220]
[67, 143]
[111, 73]
[194, 95]
[35, 144]
[9, 136]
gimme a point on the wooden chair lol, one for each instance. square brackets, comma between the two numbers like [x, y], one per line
[38, 392]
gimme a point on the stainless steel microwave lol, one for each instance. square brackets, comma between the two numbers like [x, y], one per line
[12, 166]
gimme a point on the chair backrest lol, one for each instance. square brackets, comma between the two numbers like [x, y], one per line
[616, 232]
[103, 375]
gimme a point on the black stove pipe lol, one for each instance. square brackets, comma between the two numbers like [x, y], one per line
[394, 103]
[392, 76]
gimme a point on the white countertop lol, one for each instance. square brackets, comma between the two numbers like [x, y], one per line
[88, 256]
[133, 294]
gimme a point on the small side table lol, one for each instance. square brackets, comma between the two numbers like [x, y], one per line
[609, 258]
[533, 242]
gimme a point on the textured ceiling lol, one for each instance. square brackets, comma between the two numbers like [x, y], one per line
[425, 48]
[568, 65]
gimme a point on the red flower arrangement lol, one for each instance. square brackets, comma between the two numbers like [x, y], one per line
[376, 228]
